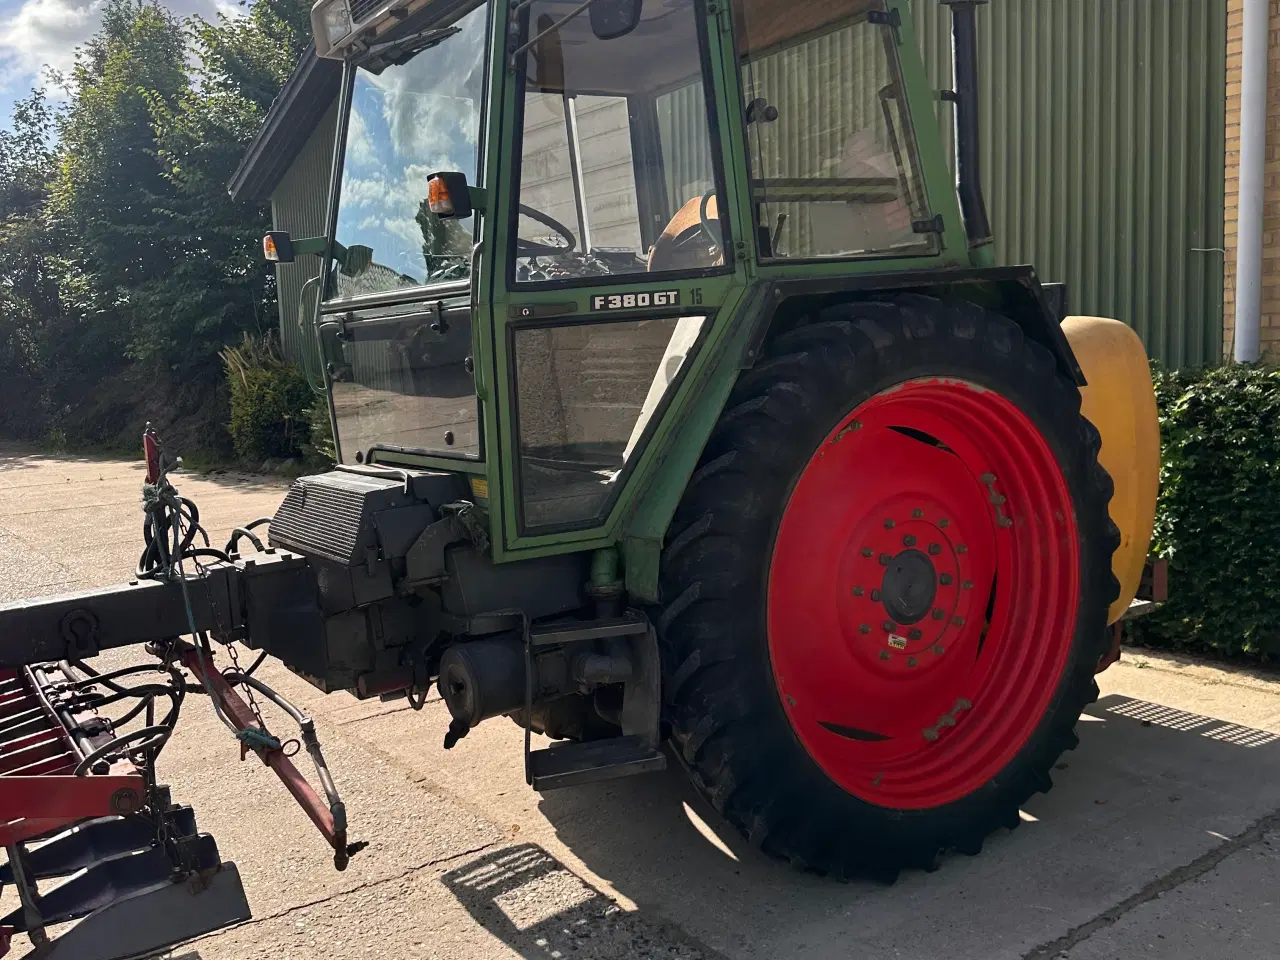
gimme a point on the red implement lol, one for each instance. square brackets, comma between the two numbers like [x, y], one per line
[39, 789]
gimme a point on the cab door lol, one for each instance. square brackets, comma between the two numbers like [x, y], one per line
[615, 267]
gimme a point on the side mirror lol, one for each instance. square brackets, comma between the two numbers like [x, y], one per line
[611, 19]
[449, 196]
[277, 246]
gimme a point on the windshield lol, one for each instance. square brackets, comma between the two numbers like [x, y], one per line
[408, 121]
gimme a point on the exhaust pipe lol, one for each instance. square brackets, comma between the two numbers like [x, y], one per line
[964, 60]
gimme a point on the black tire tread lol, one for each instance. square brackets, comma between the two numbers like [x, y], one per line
[726, 723]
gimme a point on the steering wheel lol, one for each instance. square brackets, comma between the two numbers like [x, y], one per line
[711, 229]
[693, 240]
[532, 248]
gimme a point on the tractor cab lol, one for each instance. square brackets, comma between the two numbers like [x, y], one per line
[622, 173]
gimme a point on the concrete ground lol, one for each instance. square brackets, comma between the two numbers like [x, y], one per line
[1160, 839]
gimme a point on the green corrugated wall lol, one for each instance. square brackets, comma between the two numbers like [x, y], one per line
[1103, 154]
[298, 205]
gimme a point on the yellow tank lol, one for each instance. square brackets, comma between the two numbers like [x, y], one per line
[1121, 403]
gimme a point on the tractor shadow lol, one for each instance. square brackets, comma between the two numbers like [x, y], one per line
[539, 908]
[1150, 789]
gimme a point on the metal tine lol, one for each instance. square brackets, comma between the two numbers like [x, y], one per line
[24, 724]
[41, 749]
[45, 768]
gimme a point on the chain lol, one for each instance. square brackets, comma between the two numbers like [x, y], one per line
[230, 644]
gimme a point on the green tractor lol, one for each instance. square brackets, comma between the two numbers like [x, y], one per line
[680, 411]
[744, 441]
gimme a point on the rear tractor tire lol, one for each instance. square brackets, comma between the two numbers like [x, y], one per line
[886, 588]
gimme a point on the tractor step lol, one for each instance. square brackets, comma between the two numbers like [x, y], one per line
[571, 764]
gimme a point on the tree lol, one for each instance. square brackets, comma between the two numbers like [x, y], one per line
[446, 245]
[31, 267]
[124, 265]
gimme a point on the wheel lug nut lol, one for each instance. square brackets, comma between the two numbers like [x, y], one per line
[909, 540]
[961, 548]
[865, 628]
[934, 549]
[966, 585]
[939, 649]
[914, 635]
[889, 626]
[917, 513]
[945, 579]
[884, 654]
[858, 591]
[944, 523]
[939, 613]
[1004, 522]
[884, 559]
[888, 524]
[868, 552]
[958, 621]
[911, 661]
[988, 478]
[876, 595]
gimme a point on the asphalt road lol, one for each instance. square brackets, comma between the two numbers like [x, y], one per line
[1160, 839]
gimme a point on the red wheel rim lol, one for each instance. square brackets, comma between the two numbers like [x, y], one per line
[912, 693]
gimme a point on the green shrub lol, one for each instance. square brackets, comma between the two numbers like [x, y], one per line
[270, 402]
[319, 452]
[1218, 521]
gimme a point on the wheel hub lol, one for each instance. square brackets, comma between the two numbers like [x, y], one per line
[906, 589]
[909, 586]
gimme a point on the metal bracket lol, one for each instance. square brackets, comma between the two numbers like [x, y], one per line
[887, 18]
[936, 225]
[440, 325]
[424, 563]
[642, 695]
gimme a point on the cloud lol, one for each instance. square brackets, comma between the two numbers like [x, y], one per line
[406, 229]
[360, 152]
[365, 191]
[431, 105]
[45, 33]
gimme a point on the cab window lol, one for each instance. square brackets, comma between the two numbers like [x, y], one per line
[613, 166]
[834, 164]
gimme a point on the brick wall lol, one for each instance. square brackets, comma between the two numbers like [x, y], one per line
[1271, 202]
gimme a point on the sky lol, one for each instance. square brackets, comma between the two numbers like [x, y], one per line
[39, 33]
[411, 121]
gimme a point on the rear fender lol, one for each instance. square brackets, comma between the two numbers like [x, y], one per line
[770, 309]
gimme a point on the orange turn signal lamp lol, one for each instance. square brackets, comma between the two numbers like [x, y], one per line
[449, 196]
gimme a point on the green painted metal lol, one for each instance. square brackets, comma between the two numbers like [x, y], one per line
[1103, 154]
[660, 471]
[643, 508]
[298, 205]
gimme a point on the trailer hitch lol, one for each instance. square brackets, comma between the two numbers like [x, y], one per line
[331, 821]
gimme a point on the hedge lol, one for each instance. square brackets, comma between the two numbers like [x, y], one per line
[271, 402]
[1218, 520]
